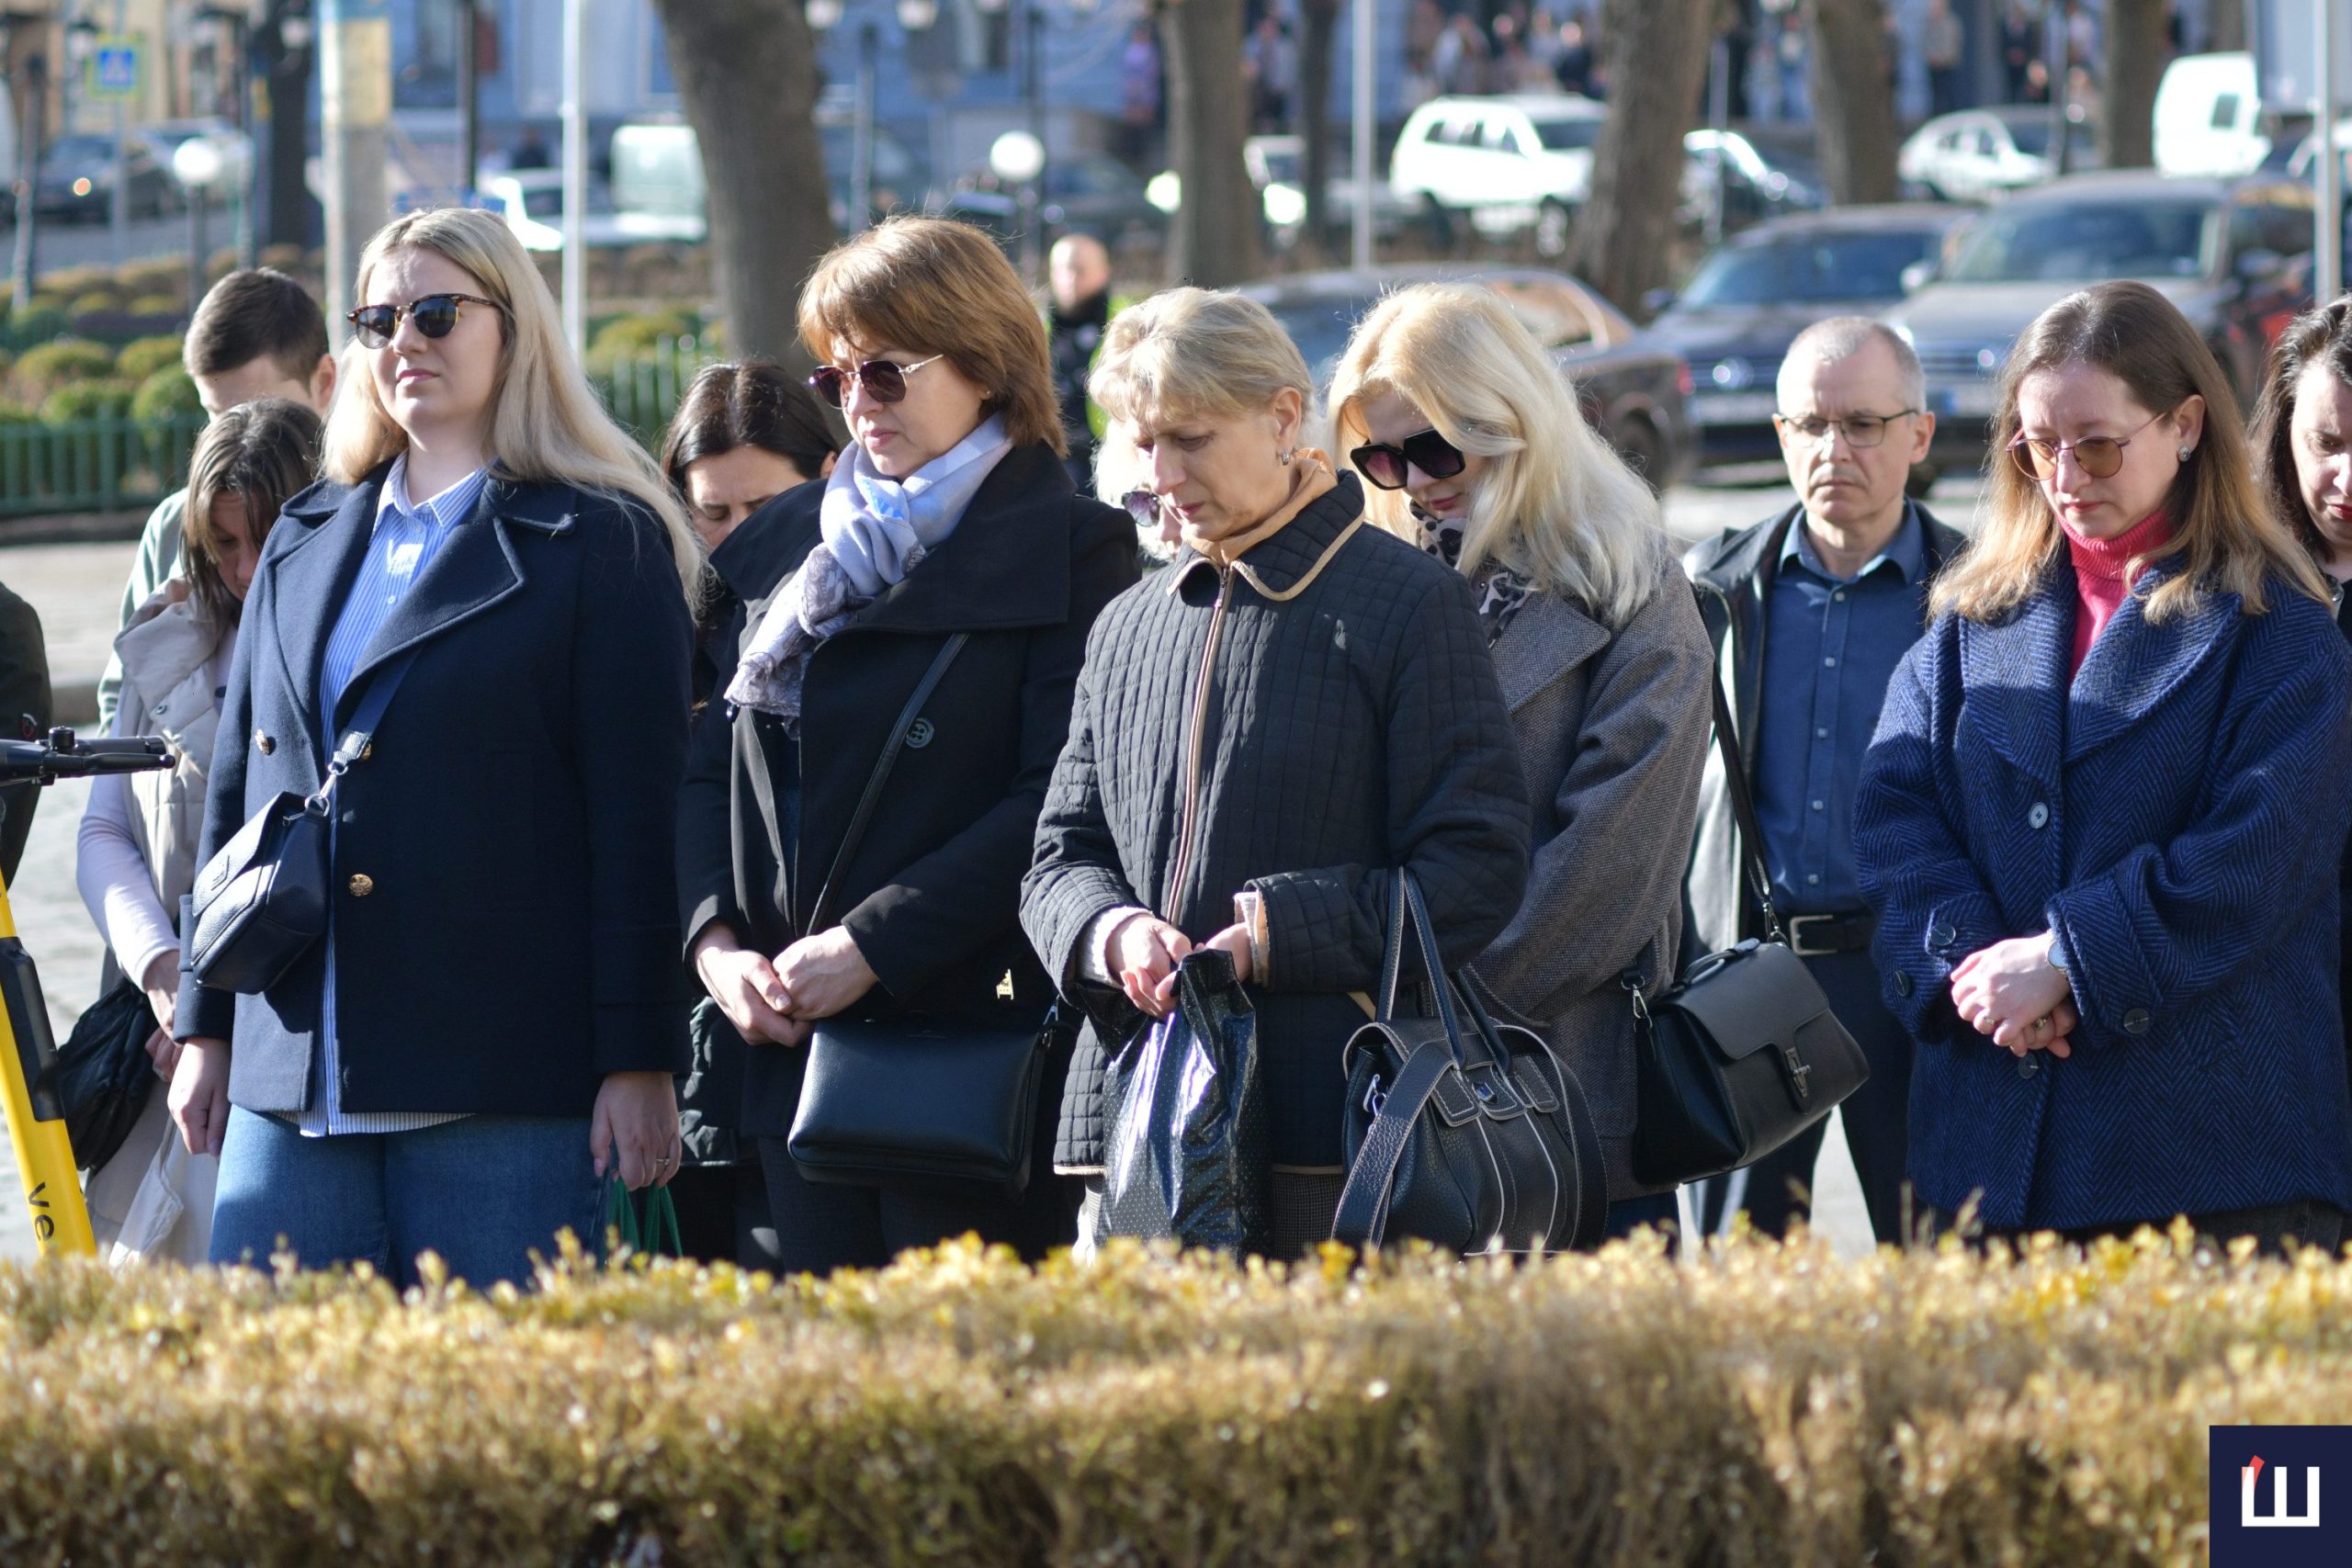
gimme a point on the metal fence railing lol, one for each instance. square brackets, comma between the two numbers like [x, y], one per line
[115, 464]
[644, 389]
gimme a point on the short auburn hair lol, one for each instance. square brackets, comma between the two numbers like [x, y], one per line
[926, 285]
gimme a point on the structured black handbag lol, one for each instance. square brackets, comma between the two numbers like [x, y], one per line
[1189, 1153]
[1744, 1052]
[914, 1103]
[261, 902]
[102, 1075]
[1475, 1138]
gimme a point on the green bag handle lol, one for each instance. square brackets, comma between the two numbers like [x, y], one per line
[656, 1232]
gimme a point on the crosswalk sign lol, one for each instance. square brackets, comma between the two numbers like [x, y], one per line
[114, 69]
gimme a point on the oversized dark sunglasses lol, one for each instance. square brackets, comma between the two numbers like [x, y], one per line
[883, 381]
[1384, 465]
[2100, 457]
[435, 315]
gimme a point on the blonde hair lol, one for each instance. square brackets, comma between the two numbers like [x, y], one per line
[547, 424]
[2224, 535]
[1190, 354]
[928, 286]
[1556, 506]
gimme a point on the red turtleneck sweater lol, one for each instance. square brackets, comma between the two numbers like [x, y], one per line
[2100, 585]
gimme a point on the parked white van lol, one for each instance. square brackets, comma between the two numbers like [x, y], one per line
[2208, 117]
[1509, 162]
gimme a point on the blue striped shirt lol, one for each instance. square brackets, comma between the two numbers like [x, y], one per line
[408, 534]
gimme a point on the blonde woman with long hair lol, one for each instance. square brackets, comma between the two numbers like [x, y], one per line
[2100, 821]
[480, 614]
[1471, 441]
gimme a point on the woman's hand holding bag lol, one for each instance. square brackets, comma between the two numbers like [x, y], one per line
[633, 1128]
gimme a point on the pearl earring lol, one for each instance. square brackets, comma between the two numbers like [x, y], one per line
[1287, 456]
[2185, 451]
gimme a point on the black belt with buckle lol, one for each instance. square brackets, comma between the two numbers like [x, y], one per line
[1826, 936]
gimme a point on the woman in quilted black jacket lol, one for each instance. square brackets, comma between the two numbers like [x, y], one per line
[1300, 704]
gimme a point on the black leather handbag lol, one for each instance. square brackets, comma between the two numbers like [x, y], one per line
[1744, 1052]
[102, 1075]
[913, 1102]
[261, 902]
[1477, 1139]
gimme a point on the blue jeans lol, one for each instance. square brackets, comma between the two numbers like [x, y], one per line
[483, 1192]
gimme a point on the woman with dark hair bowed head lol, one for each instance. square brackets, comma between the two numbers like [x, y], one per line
[490, 1025]
[745, 434]
[136, 851]
[2101, 819]
[1265, 732]
[1476, 450]
[2302, 453]
[950, 514]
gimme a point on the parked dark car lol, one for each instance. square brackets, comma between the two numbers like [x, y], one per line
[1755, 292]
[2224, 251]
[76, 179]
[1635, 389]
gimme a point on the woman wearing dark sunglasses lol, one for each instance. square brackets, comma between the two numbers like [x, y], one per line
[491, 1022]
[1298, 706]
[2101, 819]
[1476, 451]
[950, 516]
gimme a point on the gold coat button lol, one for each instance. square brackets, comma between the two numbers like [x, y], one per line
[263, 743]
[362, 885]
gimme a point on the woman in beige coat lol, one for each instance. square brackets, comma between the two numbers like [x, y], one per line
[1473, 446]
[137, 845]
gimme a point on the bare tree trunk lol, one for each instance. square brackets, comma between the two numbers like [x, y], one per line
[747, 73]
[1853, 102]
[2135, 61]
[2228, 26]
[1319, 24]
[1212, 240]
[1624, 234]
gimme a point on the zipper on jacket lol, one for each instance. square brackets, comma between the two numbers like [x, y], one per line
[1195, 740]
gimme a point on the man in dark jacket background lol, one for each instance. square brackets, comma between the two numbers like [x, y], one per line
[1079, 275]
[1810, 611]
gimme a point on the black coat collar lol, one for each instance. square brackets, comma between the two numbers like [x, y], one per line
[1278, 565]
[1005, 568]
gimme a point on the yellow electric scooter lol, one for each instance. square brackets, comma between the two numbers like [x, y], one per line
[35, 1123]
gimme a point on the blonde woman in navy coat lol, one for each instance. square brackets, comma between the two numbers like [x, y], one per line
[493, 1020]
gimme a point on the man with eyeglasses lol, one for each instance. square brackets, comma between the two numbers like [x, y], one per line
[1811, 610]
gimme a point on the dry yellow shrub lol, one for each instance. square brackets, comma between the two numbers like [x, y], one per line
[1764, 1408]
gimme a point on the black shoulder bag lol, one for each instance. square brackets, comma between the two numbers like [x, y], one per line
[1476, 1139]
[1744, 1052]
[918, 1104]
[259, 904]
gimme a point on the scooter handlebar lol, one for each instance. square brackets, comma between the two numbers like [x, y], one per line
[64, 755]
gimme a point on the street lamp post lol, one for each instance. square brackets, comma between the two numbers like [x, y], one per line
[824, 17]
[198, 164]
[1032, 26]
[232, 42]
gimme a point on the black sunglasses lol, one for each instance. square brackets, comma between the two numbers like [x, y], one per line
[435, 316]
[1384, 465]
[885, 381]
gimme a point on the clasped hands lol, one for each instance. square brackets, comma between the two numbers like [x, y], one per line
[778, 1000]
[1145, 950]
[2012, 992]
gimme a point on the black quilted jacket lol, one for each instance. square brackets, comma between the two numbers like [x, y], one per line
[1351, 722]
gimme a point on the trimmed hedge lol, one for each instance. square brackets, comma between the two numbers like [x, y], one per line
[1768, 1407]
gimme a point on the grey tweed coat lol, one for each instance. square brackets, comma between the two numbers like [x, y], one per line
[1329, 708]
[1613, 733]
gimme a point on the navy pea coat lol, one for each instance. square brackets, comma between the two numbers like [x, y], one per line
[504, 925]
[2175, 815]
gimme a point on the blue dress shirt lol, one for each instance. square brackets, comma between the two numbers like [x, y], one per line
[408, 535]
[1830, 645]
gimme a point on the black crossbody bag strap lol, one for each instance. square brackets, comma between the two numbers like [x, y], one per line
[855, 835]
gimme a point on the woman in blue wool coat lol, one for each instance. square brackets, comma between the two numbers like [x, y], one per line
[2101, 820]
